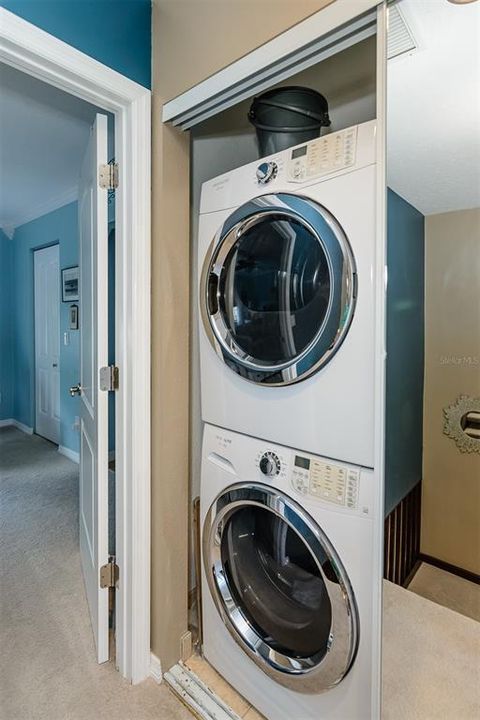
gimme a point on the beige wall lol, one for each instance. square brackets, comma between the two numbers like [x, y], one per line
[191, 39]
[200, 37]
[451, 482]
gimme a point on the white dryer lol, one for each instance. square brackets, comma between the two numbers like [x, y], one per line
[286, 255]
[288, 579]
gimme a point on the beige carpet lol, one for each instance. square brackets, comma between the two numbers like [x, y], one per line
[447, 589]
[47, 665]
[431, 660]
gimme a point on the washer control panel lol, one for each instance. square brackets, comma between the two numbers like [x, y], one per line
[322, 156]
[269, 464]
[326, 481]
[266, 171]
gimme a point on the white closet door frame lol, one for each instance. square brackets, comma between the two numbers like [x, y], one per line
[37, 53]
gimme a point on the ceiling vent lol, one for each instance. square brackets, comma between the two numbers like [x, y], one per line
[400, 39]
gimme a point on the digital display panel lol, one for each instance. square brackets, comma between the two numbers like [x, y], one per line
[299, 152]
[302, 462]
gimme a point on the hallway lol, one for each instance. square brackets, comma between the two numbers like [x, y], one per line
[47, 663]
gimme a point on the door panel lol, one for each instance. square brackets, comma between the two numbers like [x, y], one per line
[47, 342]
[87, 494]
[93, 403]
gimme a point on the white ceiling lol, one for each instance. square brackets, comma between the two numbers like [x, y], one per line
[433, 116]
[43, 135]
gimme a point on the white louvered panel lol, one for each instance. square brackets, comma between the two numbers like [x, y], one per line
[399, 39]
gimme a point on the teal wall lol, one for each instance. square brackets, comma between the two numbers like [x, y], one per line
[115, 32]
[405, 349]
[6, 327]
[59, 226]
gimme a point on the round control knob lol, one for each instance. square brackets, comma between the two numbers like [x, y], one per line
[269, 464]
[266, 171]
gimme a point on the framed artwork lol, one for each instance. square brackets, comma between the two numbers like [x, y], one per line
[70, 287]
[73, 315]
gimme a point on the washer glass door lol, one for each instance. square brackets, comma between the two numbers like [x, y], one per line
[280, 587]
[279, 289]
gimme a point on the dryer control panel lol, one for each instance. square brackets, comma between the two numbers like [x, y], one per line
[325, 155]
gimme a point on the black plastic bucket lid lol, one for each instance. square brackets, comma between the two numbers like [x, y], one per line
[289, 109]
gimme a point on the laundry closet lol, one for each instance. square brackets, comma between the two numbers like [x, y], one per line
[221, 144]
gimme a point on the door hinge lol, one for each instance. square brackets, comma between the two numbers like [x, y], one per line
[109, 574]
[109, 378]
[108, 176]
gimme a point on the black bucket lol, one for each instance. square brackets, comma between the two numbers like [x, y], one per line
[287, 116]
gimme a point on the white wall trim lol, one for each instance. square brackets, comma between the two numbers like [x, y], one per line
[70, 454]
[24, 428]
[155, 668]
[276, 59]
[16, 423]
[56, 202]
[31, 50]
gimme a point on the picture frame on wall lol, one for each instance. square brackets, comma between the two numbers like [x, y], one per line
[70, 284]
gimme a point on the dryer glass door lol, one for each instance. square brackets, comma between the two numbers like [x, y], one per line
[278, 289]
[280, 587]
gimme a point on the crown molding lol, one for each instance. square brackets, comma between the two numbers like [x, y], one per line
[53, 203]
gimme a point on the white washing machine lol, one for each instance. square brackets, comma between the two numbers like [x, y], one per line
[286, 258]
[288, 580]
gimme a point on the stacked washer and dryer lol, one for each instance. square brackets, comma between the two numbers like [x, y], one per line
[286, 292]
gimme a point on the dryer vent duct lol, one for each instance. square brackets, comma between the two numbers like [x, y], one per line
[400, 39]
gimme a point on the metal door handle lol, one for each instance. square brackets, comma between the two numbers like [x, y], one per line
[75, 390]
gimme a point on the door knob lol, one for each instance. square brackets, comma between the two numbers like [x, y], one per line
[75, 390]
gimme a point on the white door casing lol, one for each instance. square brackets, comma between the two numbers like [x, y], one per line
[47, 342]
[93, 234]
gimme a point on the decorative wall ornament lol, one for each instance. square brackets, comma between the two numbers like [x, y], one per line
[462, 423]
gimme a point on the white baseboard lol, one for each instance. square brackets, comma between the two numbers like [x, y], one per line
[155, 668]
[23, 428]
[15, 423]
[70, 454]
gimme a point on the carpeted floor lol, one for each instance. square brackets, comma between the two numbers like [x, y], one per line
[431, 668]
[47, 663]
[448, 590]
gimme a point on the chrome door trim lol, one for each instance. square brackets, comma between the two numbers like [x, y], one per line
[308, 675]
[342, 269]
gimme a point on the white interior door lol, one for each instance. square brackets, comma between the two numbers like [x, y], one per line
[47, 343]
[93, 321]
